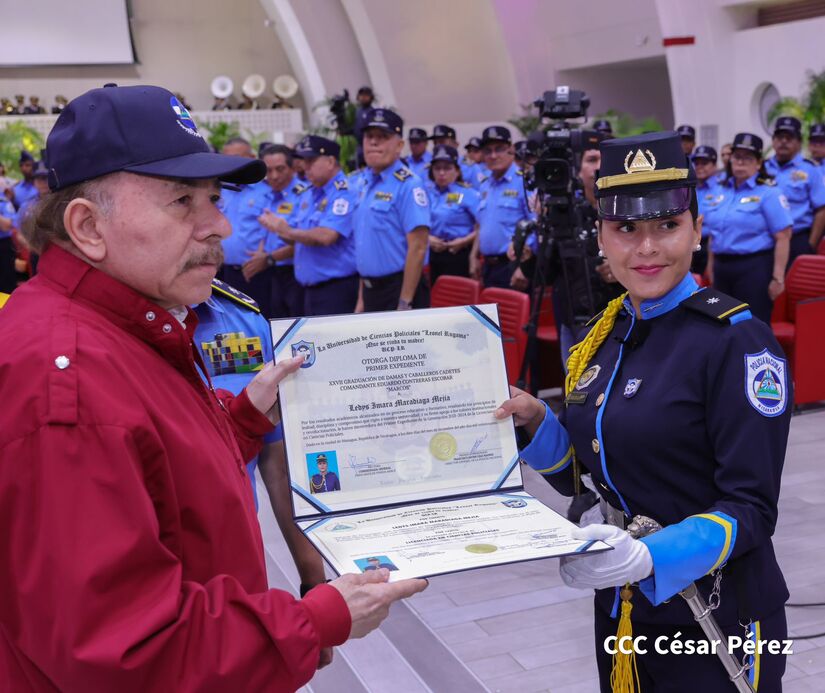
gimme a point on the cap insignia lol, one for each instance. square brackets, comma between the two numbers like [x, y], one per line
[640, 163]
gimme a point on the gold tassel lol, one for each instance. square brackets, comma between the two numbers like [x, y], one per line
[625, 672]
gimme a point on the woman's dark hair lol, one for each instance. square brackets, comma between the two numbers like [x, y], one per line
[460, 178]
[762, 176]
[289, 154]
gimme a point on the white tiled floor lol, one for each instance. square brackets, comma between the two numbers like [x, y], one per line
[518, 628]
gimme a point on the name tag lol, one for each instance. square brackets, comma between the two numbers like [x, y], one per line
[454, 198]
[510, 193]
[384, 196]
[576, 398]
[322, 205]
[746, 200]
[285, 208]
[799, 175]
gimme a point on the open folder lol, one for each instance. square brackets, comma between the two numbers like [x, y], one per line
[395, 459]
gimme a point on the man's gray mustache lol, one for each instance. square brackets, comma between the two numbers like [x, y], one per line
[213, 256]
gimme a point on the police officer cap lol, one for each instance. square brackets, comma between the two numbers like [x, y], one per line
[644, 177]
[385, 119]
[525, 148]
[788, 124]
[41, 170]
[473, 143]
[25, 156]
[141, 129]
[314, 145]
[686, 132]
[417, 135]
[440, 131]
[444, 152]
[703, 151]
[495, 133]
[748, 141]
[817, 131]
[321, 458]
[603, 126]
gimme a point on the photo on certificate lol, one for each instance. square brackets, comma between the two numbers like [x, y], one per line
[392, 448]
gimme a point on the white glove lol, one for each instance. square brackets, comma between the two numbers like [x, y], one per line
[629, 561]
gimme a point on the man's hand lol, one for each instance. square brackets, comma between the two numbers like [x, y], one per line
[369, 597]
[263, 388]
[525, 409]
[256, 264]
[630, 560]
[475, 267]
[437, 244]
[275, 224]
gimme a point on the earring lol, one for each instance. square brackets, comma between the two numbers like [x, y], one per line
[601, 253]
[697, 248]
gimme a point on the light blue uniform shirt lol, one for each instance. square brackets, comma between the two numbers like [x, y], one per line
[235, 343]
[391, 204]
[283, 203]
[474, 173]
[420, 167]
[706, 194]
[454, 210]
[7, 211]
[235, 247]
[801, 181]
[503, 205]
[745, 220]
[330, 207]
[24, 190]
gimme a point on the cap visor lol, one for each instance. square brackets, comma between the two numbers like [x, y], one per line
[651, 205]
[380, 126]
[232, 169]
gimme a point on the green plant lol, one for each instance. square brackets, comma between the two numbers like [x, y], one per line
[626, 125]
[14, 137]
[220, 132]
[809, 108]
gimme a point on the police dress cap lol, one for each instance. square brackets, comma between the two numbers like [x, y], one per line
[603, 126]
[817, 131]
[750, 142]
[417, 135]
[141, 129]
[440, 131]
[444, 152]
[25, 156]
[496, 133]
[644, 177]
[525, 148]
[40, 169]
[703, 151]
[473, 143]
[315, 145]
[788, 124]
[687, 131]
[385, 119]
[321, 457]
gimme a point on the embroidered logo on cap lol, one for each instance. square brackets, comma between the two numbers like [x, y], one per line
[640, 163]
[183, 118]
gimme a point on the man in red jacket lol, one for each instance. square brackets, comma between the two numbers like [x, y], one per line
[130, 555]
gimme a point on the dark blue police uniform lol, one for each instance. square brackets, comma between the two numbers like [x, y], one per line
[681, 415]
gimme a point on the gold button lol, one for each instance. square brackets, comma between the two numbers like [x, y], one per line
[600, 399]
[596, 445]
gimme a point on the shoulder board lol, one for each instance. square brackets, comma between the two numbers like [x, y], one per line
[715, 305]
[403, 173]
[300, 188]
[519, 172]
[230, 292]
[770, 182]
[811, 162]
[464, 184]
[342, 184]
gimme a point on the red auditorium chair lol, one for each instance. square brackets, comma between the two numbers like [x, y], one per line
[820, 250]
[798, 321]
[454, 291]
[513, 313]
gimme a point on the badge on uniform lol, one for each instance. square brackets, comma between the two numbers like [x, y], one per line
[383, 196]
[784, 202]
[420, 197]
[632, 387]
[510, 193]
[340, 206]
[454, 198]
[766, 383]
[746, 200]
[799, 175]
[284, 208]
[588, 377]
[322, 205]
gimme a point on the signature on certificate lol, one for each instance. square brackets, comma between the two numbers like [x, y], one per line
[354, 463]
[477, 443]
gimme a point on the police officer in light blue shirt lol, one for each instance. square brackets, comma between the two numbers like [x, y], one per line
[278, 193]
[473, 169]
[454, 210]
[8, 278]
[801, 181]
[24, 189]
[40, 179]
[816, 144]
[751, 229]
[503, 204]
[419, 158]
[704, 163]
[323, 232]
[392, 221]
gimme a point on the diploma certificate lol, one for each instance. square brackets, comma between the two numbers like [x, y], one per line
[395, 458]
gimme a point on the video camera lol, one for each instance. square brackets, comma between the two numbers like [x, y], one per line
[338, 106]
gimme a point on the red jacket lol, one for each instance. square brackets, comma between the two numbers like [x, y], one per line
[130, 553]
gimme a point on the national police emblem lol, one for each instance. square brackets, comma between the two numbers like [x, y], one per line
[307, 349]
[588, 377]
[766, 383]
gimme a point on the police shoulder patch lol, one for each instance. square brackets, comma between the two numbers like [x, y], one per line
[341, 184]
[766, 383]
[223, 289]
[420, 197]
[403, 173]
[300, 188]
[717, 305]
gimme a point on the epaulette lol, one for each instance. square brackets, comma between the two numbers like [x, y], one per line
[769, 181]
[223, 289]
[463, 184]
[341, 184]
[300, 188]
[716, 305]
[403, 173]
[519, 172]
[811, 162]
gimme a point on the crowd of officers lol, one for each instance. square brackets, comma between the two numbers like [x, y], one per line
[312, 240]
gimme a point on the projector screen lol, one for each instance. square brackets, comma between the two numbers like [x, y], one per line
[57, 32]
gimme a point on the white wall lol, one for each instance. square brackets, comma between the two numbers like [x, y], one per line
[181, 45]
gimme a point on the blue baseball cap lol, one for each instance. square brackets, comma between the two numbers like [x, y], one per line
[788, 124]
[703, 151]
[687, 132]
[386, 120]
[444, 152]
[141, 129]
[314, 145]
[417, 135]
[495, 133]
[817, 131]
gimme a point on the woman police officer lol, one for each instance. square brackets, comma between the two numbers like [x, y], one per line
[750, 226]
[454, 207]
[656, 411]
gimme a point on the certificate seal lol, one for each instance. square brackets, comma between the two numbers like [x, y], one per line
[480, 548]
[443, 446]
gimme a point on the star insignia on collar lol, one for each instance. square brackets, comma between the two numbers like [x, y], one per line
[713, 299]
